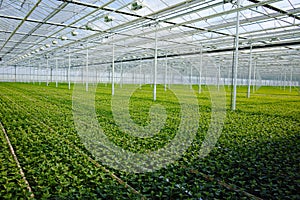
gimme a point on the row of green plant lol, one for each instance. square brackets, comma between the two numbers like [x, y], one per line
[54, 169]
[12, 185]
[258, 151]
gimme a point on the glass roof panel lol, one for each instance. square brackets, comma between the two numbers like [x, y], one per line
[182, 25]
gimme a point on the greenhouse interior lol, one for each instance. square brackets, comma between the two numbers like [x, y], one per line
[150, 99]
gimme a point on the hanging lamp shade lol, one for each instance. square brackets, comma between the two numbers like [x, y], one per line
[74, 33]
[89, 26]
[136, 5]
[108, 18]
[63, 38]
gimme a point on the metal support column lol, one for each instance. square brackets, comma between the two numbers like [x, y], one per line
[284, 83]
[69, 71]
[281, 80]
[219, 76]
[56, 70]
[87, 71]
[51, 74]
[96, 72]
[228, 78]
[236, 57]
[166, 72]
[254, 76]
[140, 75]
[15, 73]
[155, 65]
[108, 76]
[38, 74]
[34, 75]
[191, 76]
[249, 72]
[291, 79]
[47, 67]
[30, 72]
[121, 80]
[200, 71]
[113, 71]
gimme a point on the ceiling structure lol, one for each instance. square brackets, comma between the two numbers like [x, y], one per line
[34, 30]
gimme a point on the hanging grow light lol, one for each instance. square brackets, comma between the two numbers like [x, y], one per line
[136, 6]
[108, 18]
[63, 37]
[89, 26]
[74, 33]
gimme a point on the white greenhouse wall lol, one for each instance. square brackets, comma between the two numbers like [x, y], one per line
[35, 74]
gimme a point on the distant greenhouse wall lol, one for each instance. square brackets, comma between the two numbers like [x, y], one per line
[34, 74]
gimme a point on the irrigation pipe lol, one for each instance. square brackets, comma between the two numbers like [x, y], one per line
[17, 161]
[229, 187]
